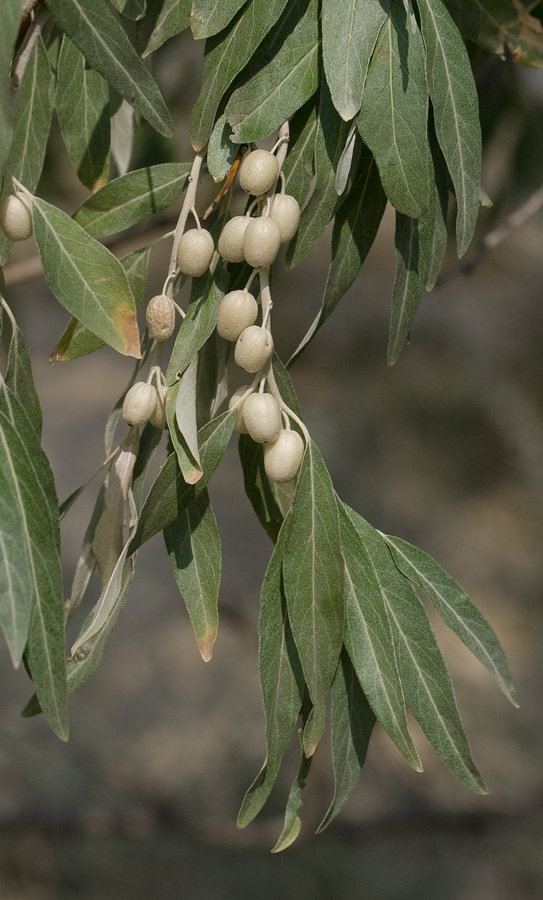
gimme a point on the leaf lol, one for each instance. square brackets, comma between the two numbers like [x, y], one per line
[355, 228]
[181, 415]
[346, 161]
[368, 637]
[393, 117]
[225, 57]
[194, 548]
[131, 198]
[504, 27]
[221, 152]
[106, 47]
[132, 9]
[31, 128]
[18, 377]
[170, 494]
[122, 137]
[210, 16]
[291, 828]
[456, 610]
[413, 239]
[108, 539]
[31, 608]
[350, 29]
[299, 166]
[324, 202]
[82, 104]
[456, 112]
[281, 679]
[212, 378]
[86, 278]
[352, 724]
[76, 340]
[313, 580]
[440, 213]
[8, 33]
[163, 20]
[425, 680]
[284, 79]
[86, 564]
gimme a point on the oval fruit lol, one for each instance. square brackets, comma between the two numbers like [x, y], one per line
[230, 244]
[237, 310]
[253, 348]
[283, 456]
[15, 217]
[258, 172]
[261, 242]
[262, 417]
[195, 252]
[160, 316]
[286, 212]
[139, 404]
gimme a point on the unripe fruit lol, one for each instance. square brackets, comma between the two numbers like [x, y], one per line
[160, 316]
[195, 252]
[253, 348]
[230, 244]
[240, 424]
[237, 310]
[262, 417]
[15, 217]
[206, 192]
[286, 212]
[261, 242]
[139, 403]
[258, 172]
[158, 418]
[283, 457]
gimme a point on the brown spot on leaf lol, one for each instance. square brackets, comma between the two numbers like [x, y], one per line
[126, 322]
[205, 644]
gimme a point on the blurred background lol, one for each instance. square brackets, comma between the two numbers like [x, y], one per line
[445, 450]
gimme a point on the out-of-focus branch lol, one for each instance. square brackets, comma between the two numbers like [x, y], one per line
[495, 237]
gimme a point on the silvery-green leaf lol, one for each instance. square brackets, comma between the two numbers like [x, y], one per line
[181, 415]
[122, 137]
[221, 152]
[440, 214]
[414, 240]
[345, 161]
[163, 20]
[210, 16]
[299, 166]
[293, 823]
[11, 14]
[501, 26]
[18, 375]
[132, 9]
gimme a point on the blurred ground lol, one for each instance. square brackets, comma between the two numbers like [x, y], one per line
[444, 449]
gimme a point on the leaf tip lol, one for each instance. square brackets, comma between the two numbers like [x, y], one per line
[194, 476]
[205, 645]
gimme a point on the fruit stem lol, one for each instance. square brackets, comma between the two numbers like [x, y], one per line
[188, 205]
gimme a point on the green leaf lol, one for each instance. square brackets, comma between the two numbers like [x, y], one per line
[352, 724]
[194, 548]
[131, 198]
[440, 213]
[181, 416]
[132, 9]
[501, 26]
[291, 828]
[221, 152]
[86, 278]
[350, 29]
[324, 202]
[355, 228]
[425, 680]
[31, 128]
[225, 56]
[283, 80]
[82, 104]
[11, 14]
[212, 378]
[368, 636]
[31, 607]
[299, 166]
[281, 679]
[170, 494]
[455, 608]
[394, 113]
[210, 16]
[106, 47]
[313, 579]
[18, 375]
[456, 112]
[163, 20]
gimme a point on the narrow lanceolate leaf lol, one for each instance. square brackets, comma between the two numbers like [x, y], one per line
[225, 56]
[455, 608]
[368, 637]
[299, 166]
[352, 724]
[106, 47]
[131, 198]
[281, 680]
[181, 415]
[350, 29]
[76, 340]
[425, 680]
[163, 19]
[82, 104]
[456, 112]
[122, 137]
[11, 14]
[283, 80]
[18, 375]
[355, 228]
[313, 579]
[170, 493]
[502, 27]
[440, 213]
[221, 151]
[31, 128]
[293, 823]
[86, 278]
[211, 16]
[194, 548]
[31, 605]
[394, 113]
[332, 133]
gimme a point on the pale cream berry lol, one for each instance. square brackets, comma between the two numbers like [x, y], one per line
[262, 417]
[158, 417]
[206, 192]
[160, 316]
[230, 244]
[139, 404]
[261, 242]
[283, 456]
[286, 212]
[237, 310]
[258, 172]
[15, 217]
[253, 348]
[195, 252]
[240, 424]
